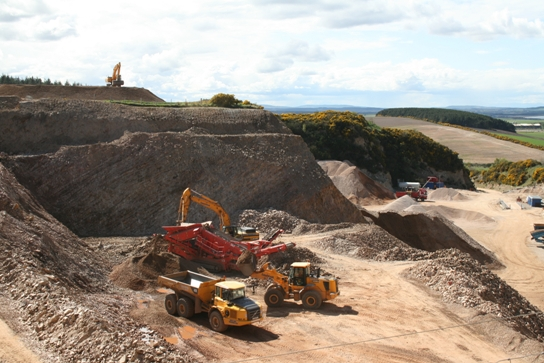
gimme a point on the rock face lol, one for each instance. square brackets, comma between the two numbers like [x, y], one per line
[36, 127]
[245, 159]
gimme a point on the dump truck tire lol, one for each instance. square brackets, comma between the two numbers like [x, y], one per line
[311, 300]
[273, 297]
[216, 322]
[170, 304]
[185, 308]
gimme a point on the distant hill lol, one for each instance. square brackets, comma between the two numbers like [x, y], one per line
[504, 112]
[321, 108]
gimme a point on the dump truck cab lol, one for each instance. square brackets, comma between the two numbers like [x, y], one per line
[232, 307]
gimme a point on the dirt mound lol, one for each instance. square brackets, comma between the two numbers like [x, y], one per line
[141, 272]
[446, 194]
[147, 262]
[453, 214]
[431, 231]
[400, 204]
[370, 242]
[462, 280]
[78, 92]
[354, 184]
[54, 288]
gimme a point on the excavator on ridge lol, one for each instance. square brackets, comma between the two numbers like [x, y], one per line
[115, 80]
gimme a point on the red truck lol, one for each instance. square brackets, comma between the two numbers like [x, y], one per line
[419, 194]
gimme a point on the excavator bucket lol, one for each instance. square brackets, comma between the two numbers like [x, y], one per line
[247, 263]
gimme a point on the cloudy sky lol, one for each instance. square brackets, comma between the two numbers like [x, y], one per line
[386, 53]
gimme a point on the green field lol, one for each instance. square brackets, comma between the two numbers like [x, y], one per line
[534, 138]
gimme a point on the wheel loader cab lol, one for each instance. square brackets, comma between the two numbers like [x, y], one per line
[299, 273]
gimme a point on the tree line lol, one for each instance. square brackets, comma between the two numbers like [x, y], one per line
[6, 79]
[454, 117]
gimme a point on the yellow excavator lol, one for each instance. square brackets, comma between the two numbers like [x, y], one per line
[115, 80]
[189, 196]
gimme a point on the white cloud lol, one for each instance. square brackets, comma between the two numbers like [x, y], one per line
[283, 50]
[15, 10]
[54, 29]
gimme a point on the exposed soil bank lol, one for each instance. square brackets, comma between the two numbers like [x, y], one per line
[78, 92]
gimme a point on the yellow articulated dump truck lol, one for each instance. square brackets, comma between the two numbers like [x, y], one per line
[225, 301]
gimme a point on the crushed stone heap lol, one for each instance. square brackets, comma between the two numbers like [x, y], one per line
[55, 289]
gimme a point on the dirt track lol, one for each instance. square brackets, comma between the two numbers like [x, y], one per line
[471, 146]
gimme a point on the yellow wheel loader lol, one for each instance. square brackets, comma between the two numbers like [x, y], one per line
[300, 285]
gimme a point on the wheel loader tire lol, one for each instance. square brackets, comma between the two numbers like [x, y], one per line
[170, 304]
[185, 308]
[273, 297]
[311, 300]
[216, 322]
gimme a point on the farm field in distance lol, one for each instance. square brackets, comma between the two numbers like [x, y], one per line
[481, 149]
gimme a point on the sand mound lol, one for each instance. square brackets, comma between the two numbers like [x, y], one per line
[400, 204]
[354, 184]
[446, 194]
[453, 214]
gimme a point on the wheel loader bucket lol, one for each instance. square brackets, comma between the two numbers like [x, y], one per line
[247, 263]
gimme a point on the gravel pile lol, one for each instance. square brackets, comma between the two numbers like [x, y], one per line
[267, 220]
[370, 242]
[446, 194]
[400, 204]
[461, 279]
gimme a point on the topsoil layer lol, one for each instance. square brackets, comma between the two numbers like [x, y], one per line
[78, 92]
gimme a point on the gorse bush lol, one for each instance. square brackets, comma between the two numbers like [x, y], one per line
[333, 135]
[224, 100]
[510, 173]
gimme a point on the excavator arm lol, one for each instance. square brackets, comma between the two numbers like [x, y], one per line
[189, 196]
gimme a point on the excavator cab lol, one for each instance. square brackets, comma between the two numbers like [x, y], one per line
[242, 233]
[299, 273]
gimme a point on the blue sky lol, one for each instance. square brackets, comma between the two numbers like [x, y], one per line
[409, 53]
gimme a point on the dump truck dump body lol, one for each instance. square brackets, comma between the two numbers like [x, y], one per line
[224, 301]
